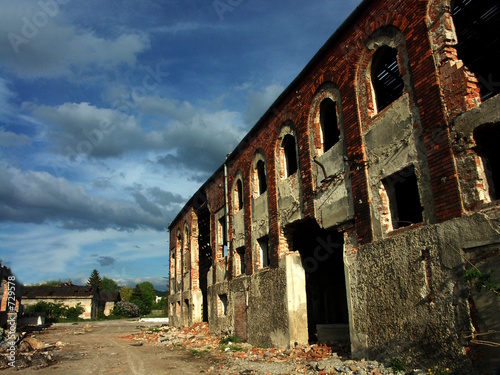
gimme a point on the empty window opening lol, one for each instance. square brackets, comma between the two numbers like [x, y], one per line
[222, 305]
[222, 235]
[240, 261]
[404, 198]
[329, 126]
[477, 24]
[238, 196]
[322, 253]
[186, 259]
[261, 177]
[290, 154]
[185, 313]
[178, 255]
[264, 251]
[386, 77]
[487, 138]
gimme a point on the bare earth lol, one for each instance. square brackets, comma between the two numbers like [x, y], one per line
[133, 347]
[106, 348]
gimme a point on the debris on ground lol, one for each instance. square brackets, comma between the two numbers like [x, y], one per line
[30, 349]
[242, 358]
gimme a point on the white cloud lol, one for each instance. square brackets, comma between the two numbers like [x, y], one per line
[258, 102]
[5, 96]
[193, 137]
[38, 197]
[38, 43]
[10, 139]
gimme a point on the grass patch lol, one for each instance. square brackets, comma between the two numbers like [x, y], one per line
[232, 339]
[397, 365]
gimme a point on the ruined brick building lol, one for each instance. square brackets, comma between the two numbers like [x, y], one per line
[353, 207]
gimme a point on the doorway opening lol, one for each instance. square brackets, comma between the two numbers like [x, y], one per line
[205, 256]
[322, 258]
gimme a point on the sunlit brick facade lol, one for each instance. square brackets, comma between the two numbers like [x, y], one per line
[352, 208]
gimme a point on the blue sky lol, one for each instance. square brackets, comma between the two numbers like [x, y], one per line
[113, 113]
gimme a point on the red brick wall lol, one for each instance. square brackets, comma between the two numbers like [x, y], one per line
[339, 64]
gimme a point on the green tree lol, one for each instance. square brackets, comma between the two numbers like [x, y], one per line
[148, 294]
[109, 284]
[126, 293]
[94, 279]
[137, 298]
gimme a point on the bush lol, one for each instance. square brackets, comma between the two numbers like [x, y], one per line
[126, 309]
[55, 311]
[72, 313]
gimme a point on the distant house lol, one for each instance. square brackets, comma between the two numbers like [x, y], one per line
[108, 299]
[68, 294]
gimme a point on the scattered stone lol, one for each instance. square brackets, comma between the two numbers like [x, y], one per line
[34, 343]
[353, 368]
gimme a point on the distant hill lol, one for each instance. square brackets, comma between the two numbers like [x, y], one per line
[160, 293]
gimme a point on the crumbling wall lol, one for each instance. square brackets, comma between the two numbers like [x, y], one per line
[422, 274]
[470, 167]
[274, 305]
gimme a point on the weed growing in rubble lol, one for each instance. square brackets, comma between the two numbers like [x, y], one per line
[230, 339]
[438, 371]
[481, 281]
[397, 365]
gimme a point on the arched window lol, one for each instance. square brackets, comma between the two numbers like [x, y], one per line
[261, 177]
[329, 124]
[178, 251]
[290, 154]
[477, 24]
[386, 77]
[186, 259]
[238, 196]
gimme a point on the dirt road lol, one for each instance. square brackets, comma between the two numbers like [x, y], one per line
[103, 348]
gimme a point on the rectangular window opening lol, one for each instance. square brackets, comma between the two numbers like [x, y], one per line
[222, 236]
[240, 265]
[404, 198]
[264, 251]
[222, 305]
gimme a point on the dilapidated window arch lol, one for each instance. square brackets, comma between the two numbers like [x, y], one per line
[330, 133]
[487, 139]
[287, 151]
[383, 73]
[238, 195]
[290, 155]
[325, 119]
[259, 174]
[185, 249]
[477, 27]
[387, 81]
[178, 253]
